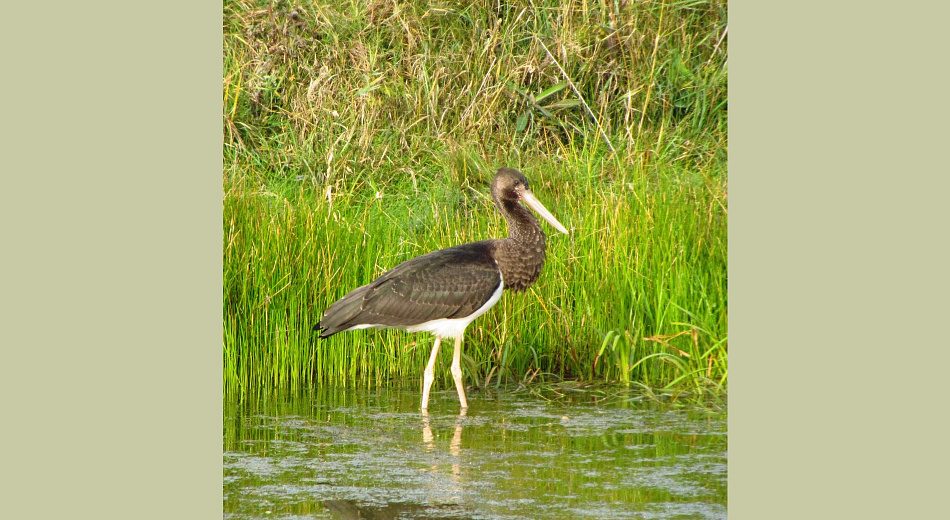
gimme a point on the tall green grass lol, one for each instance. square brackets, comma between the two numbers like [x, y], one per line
[359, 135]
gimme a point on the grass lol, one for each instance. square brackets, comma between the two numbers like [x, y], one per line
[358, 135]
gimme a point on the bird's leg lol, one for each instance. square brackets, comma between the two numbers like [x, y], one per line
[457, 370]
[429, 376]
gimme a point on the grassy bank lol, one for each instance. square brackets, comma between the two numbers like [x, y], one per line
[358, 135]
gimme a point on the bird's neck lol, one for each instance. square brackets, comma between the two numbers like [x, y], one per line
[521, 255]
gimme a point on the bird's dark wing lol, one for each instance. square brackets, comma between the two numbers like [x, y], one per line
[449, 283]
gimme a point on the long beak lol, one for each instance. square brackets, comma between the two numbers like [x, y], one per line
[539, 208]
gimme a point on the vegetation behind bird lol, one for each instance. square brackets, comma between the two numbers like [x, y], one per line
[358, 135]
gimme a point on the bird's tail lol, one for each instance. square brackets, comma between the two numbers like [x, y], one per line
[339, 316]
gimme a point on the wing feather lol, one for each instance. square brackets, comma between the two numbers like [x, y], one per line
[449, 283]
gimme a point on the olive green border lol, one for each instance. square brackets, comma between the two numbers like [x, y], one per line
[111, 365]
[837, 274]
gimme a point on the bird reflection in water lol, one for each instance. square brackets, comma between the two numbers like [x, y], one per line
[455, 446]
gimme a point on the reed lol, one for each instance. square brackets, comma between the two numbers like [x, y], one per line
[358, 135]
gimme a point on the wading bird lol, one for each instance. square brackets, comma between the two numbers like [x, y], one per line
[443, 291]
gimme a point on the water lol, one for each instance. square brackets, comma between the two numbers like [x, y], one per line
[552, 454]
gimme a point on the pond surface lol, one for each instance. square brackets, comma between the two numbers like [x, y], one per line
[552, 454]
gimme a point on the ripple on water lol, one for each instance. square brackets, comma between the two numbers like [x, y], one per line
[509, 457]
